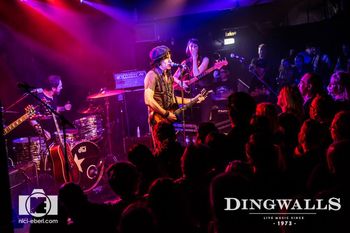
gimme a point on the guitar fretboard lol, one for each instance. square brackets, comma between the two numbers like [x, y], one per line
[16, 123]
[202, 75]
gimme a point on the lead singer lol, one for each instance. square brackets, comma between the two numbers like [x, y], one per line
[159, 91]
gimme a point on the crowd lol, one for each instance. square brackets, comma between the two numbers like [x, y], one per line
[295, 148]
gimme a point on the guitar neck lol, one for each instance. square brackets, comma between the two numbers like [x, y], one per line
[16, 123]
[207, 71]
[186, 106]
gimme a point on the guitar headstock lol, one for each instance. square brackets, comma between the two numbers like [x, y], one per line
[30, 111]
[220, 63]
[204, 93]
[238, 58]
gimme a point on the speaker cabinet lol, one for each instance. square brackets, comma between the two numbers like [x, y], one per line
[135, 113]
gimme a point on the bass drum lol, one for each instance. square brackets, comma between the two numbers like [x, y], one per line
[88, 158]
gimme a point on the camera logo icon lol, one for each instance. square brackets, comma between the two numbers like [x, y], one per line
[37, 204]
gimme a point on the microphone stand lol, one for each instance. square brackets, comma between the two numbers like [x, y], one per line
[63, 120]
[17, 101]
[183, 112]
[265, 84]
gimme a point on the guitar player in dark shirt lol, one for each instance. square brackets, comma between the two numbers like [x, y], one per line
[44, 124]
[263, 83]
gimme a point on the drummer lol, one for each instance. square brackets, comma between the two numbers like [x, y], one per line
[44, 124]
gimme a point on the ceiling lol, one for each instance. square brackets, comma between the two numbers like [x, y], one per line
[158, 9]
[148, 10]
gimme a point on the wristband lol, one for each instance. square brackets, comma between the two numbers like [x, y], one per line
[166, 114]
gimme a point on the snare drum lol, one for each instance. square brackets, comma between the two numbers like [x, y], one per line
[71, 136]
[29, 149]
[90, 128]
[88, 157]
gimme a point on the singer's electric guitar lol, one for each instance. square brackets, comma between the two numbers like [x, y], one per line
[156, 117]
[189, 82]
[30, 113]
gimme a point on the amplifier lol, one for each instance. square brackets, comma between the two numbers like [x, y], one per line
[129, 79]
[190, 133]
[188, 127]
[224, 126]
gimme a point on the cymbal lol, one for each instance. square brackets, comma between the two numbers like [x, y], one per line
[41, 117]
[90, 109]
[105, 93]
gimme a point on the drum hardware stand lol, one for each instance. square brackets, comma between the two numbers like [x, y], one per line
[105, 94]
[109, 133]
[262, 82]
[27, 178]
[123, 118]
[63, 120]
[17, 101]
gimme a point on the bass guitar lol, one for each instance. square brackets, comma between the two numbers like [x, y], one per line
[30, 113]
[156, 117]
[58, 158]
[187, 83]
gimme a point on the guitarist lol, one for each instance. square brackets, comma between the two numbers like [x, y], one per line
[51, 89]
[192, 77]
[195, 63]
[159, 90]
[263, 83]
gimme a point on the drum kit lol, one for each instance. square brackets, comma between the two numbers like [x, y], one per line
[83, 141]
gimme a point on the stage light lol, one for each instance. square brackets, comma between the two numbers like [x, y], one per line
[229, 38]
[230, 33]
[81, 1]
[229, 41]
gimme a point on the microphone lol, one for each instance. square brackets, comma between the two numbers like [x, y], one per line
[177, 65]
